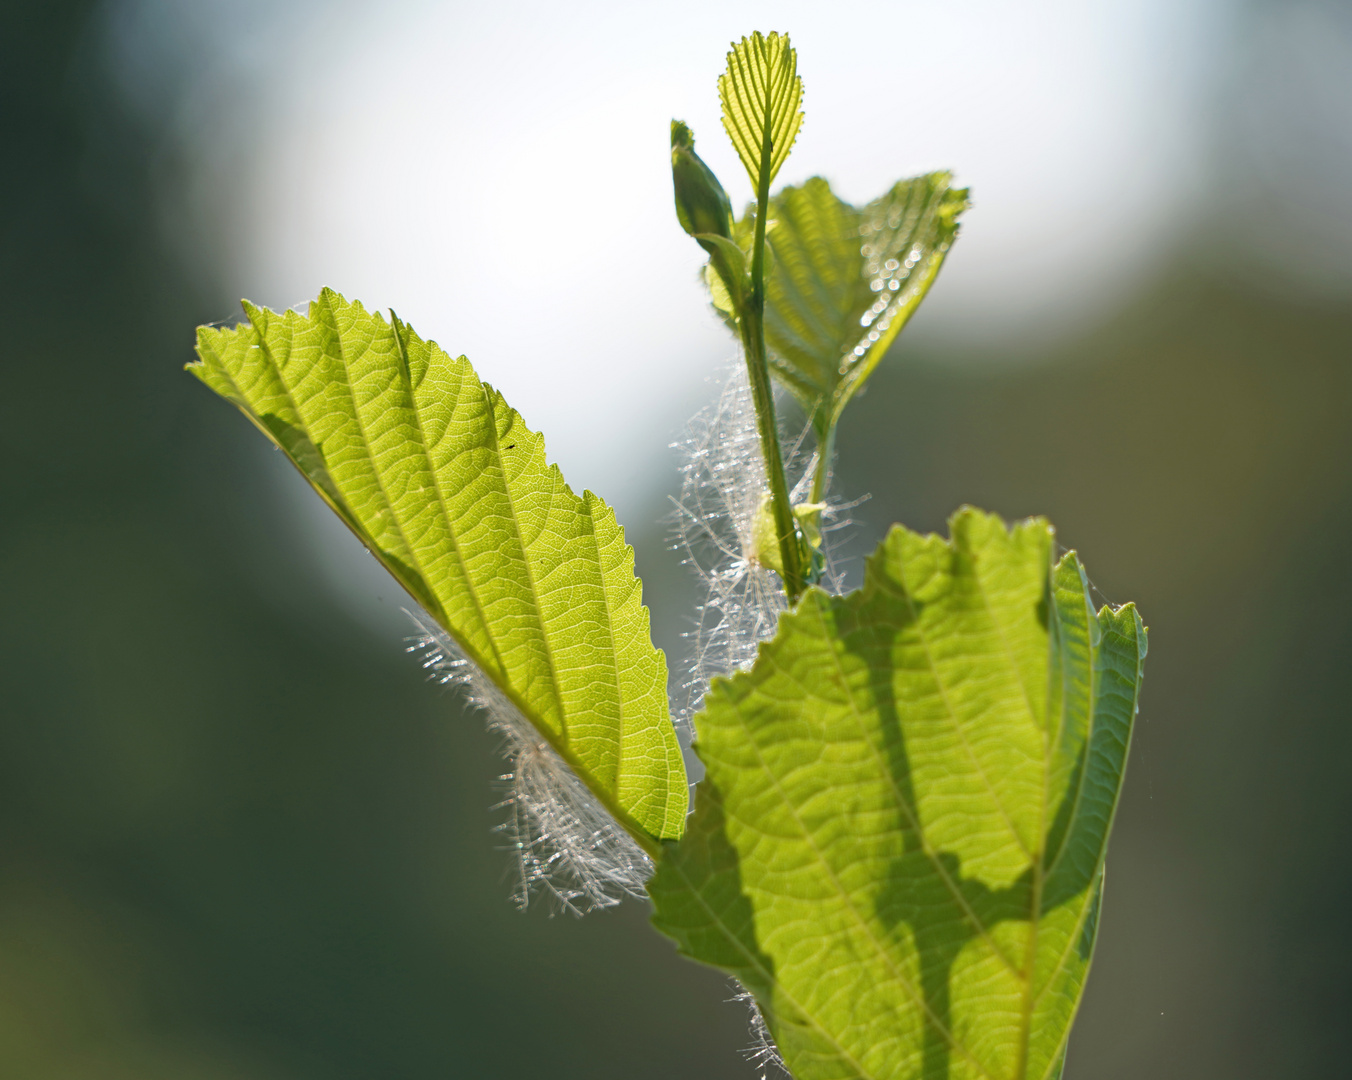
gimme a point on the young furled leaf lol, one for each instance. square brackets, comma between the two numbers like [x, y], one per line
[846, 279]
[447, 487]
[702, 206]
[898, 848]
[703, 209]
[762, 98]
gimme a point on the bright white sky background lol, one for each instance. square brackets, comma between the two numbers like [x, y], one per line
[499, 173]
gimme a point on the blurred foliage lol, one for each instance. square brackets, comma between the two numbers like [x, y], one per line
[203, 880]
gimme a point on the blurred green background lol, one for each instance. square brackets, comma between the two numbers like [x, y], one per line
[240, 836]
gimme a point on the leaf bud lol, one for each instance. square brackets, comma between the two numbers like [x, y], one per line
[702, 206]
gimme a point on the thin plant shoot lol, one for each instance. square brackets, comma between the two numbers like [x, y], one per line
[897, 849]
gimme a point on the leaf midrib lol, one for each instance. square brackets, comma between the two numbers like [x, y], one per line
[451, 532]
[526, 568]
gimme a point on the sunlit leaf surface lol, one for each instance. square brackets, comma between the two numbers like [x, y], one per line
[444, 483]
[899, 845]
[762, 94]
[846, 279]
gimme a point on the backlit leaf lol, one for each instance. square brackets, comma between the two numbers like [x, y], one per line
[762, 95]
[846, 279]
[899, 845]
[447, 487]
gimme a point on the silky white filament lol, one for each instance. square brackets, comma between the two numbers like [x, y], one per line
[722, 480]
[567, 845]
[722, 484]
[762, 1052]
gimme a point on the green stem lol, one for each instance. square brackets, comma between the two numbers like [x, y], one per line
[758, 371]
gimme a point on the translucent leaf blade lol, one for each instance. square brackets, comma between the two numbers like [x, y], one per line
[761, 92]
[445, 484]
[899, 845]
[847, 279]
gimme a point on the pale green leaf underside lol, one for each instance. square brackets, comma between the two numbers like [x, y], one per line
[761, 88]
[846, 279]
[899, 844]
[445, 484]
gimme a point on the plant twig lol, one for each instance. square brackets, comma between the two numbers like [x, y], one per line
[758, 371]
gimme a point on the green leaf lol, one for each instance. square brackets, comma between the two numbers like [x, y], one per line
[448, 488]
[762, 98]
[899, 845]
[730, 280]
[846, 280]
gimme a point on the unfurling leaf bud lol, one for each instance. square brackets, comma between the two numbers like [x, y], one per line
[765, 534]
[702, 206]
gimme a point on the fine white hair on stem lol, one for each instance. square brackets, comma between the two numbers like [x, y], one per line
[722, 481]
[722, 484]
[566, 844]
